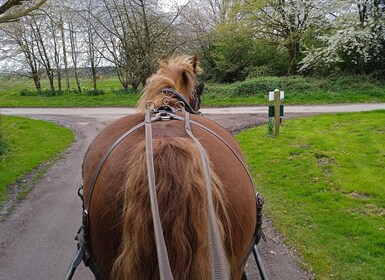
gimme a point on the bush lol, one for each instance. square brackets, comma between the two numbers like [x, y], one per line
[221, 90]
[46, 93]
[297, 85]
[257, 86]
[27, 92]
[93, 92]
[50, 92]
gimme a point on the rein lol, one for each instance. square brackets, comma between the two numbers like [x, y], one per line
[220, 268]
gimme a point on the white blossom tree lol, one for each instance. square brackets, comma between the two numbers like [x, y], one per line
[286, 23]
[355, 38]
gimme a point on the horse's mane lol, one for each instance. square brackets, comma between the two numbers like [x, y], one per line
[178, 73]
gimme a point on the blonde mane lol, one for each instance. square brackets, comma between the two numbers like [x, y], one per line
[178, 73]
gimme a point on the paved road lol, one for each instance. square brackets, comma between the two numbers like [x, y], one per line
[119, 111]
[36, 240]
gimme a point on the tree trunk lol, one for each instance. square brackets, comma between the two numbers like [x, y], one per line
[77, 78]
[36, 81]
[94, 78]
[293, 48]
[74, 55]
[65, 60]
[59, 79]
[50, 75]
[135, 85]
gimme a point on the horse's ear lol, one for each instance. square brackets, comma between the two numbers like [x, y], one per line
[194, 62]
[163, 59]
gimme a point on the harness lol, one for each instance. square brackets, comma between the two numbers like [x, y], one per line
[165, 112]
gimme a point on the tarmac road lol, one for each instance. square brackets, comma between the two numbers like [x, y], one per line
[36, 240]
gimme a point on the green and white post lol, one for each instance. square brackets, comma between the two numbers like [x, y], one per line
[276, 110]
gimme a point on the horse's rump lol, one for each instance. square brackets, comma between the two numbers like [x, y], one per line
[108, 195]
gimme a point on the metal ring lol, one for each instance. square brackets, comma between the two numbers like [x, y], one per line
[166, 100]
[150, 105]
[180, 105]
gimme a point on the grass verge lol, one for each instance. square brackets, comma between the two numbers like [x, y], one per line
[29, 143]
[322, 180]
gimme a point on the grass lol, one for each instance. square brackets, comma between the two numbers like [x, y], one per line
[298, 90]
[323, 183]
[29, 143]
[21, 93]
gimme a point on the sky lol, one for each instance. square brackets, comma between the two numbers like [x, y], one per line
[168, 4]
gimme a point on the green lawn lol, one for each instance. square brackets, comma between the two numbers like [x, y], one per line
[298, 90]
[323, 183]
[28, 143]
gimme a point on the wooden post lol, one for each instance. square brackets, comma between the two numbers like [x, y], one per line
[277, 106]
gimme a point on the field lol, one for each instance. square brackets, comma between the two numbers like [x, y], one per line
[323, 182]
[298, 90]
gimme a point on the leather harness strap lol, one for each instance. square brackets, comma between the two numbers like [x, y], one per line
[161, 249]
[219, 266]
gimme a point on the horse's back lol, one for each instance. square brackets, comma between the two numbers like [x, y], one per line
[106, 205]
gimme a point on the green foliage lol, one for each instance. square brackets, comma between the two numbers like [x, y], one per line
[29, 143]
[302, 90]
[235, 56]
[28, 92]
[322, 180]
[46, 93]
[93, 92]
[257, 86]
[228, 58]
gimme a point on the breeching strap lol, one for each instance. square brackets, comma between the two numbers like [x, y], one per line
[164, 263]
[219, 266]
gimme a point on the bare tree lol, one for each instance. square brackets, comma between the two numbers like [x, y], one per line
[21, 35]
[94, 47]
[38, 27]
[65, 59]
[74, 52]
[135, 34]
[53, 30]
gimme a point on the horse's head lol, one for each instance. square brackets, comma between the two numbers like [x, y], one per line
[175, 78]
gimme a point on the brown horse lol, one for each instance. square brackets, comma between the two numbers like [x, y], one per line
[116, 187]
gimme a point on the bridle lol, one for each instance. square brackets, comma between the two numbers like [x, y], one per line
[195, 104]
[164, 112]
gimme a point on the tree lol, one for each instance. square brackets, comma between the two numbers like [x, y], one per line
[225, 43]
[286, 22]
[24, 51]
[13, 10]
[135, 34]
[354, 41]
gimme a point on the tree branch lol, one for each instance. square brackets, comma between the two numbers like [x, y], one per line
[8, 15]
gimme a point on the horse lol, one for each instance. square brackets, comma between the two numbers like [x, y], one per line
[118, 225]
